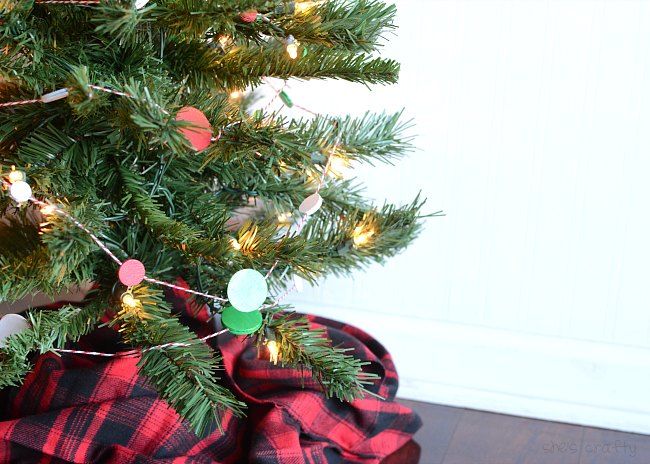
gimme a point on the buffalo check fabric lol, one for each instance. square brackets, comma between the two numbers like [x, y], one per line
[84, 409]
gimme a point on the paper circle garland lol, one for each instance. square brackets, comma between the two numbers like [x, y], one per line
[248, 16]
[200, 133]
[131, 272]
[241, 323]
[311, 204]
[286, 99]
[247, 290]
[20, 191]
[11, 324]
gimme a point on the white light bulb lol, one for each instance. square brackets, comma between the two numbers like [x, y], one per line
[285, 218]
[292, 47]
[224, 40]
[361, 236]
[15, 176]
[235, 243]
[292, 50]
[129, 300]
[274, 351]
[305, 6]
[48, 210]
[338, 166]
[20, 191]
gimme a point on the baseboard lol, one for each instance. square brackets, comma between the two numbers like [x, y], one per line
[567, 380]
[537, 408]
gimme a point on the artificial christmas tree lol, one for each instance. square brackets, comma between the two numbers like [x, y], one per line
[127, 162]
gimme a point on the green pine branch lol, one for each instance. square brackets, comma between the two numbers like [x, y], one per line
[339, 374]
[242, 67]
[45, 254]
[172, 232]
[119, 163]
[184, 376]
[393, 229]
[356, 25]
[49, 330]
[373, 136]
[194, 18]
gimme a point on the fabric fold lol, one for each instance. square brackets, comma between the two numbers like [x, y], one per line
[83, 409]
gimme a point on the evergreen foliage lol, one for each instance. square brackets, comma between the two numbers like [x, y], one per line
[118, 162]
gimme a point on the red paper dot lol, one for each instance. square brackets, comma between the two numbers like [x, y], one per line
[131, 272]
[248, 16]
[200, 134]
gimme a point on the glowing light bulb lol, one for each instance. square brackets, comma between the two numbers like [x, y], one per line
[235, 244]
[292, 50]
[132, 307]
[236, 94]
[48, 210]
[224, 40]
[274, 351]
[303, 7]
[284, 218]
[129, 301]
[292, 47]
[312, 178]
[16, 176]
[338, 165]
[361, 236]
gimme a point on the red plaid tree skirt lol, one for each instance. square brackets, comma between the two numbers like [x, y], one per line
[85, 409]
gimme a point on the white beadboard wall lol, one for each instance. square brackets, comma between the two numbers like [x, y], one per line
[532, 295]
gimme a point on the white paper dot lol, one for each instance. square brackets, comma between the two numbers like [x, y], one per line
[247, 290]
[11, 324]
[311, 204]
[140, 4]
[20, 191]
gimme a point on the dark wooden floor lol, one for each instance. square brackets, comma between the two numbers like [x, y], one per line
[465, 436]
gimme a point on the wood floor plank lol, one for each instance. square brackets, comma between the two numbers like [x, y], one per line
[458, 436]
[487, 438]
[601, 446]
[438, 424]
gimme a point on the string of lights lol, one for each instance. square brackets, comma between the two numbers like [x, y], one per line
[129, 353]
[68, 2]
[132, 272]
[292, 45]
[21, 192]
[115, 193]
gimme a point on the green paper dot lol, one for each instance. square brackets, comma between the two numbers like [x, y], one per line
[240, 323]
[284, 96]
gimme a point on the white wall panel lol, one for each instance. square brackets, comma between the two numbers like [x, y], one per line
[531, 296]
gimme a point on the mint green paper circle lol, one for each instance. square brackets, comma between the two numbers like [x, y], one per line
[240, 323]
[247, 290]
